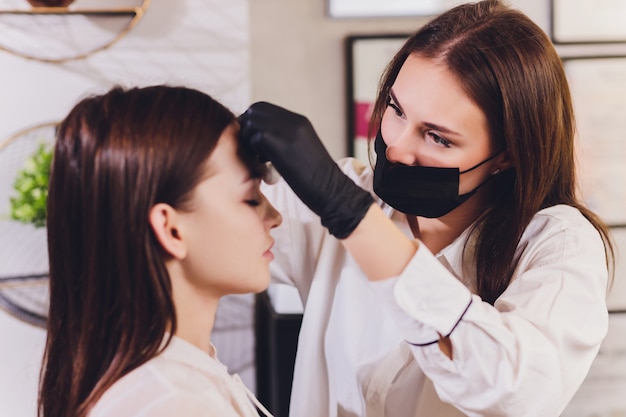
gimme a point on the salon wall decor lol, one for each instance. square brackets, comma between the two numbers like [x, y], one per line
[24, 254]
[366, 57]
[598, 89]
[68, 29]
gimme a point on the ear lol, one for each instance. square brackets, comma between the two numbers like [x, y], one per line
[164, 221]
[502, 163]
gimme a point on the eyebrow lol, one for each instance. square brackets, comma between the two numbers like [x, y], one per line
[429, 125]
[251, 177]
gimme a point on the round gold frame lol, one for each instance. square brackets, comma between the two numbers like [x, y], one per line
[22, 294]
[6, 142]
[135, 13]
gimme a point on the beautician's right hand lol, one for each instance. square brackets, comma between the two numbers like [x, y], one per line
[289, 142]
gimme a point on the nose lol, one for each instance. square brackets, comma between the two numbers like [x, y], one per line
[402, 150]
[271, 216]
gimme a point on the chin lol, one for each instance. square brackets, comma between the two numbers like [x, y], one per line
[262, 284]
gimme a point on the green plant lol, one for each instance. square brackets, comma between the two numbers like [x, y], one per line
[31, 184]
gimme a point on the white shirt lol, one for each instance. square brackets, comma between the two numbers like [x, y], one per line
[182, 381]
[524, 356]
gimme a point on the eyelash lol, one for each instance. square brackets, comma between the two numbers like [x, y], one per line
[439, 140]
[395, 107]
[436, 138]
[253, 202]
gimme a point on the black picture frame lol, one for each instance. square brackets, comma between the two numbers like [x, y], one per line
[366, 58]
[598, 89]
[616, 299]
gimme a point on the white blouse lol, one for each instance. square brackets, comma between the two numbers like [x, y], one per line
[182, 381]
[524, 356]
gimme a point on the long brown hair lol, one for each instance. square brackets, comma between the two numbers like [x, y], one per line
[116, 156]
[511, 70]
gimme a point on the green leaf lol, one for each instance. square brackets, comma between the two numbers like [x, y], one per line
[31, 185]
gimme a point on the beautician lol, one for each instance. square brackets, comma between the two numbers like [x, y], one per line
[461, 275]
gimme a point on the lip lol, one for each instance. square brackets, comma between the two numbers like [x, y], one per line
[268, 253]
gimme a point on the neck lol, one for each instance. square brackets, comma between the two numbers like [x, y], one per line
[195, 311]
[438, 233]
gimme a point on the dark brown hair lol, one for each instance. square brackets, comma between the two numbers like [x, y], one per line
[509, 67]
[116, 156]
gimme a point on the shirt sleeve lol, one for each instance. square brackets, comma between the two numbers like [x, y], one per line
[527, 354]
[426, 299]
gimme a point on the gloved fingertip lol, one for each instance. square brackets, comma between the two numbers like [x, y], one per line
[271, 175]
[253, 141]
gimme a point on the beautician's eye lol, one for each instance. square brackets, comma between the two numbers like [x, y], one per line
[395, 107]
[439, 140]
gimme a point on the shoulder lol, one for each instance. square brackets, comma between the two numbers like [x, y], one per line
[560, 219]
[563, 214]
[165, 405]
[561, 232]
[163, 387]
[136, 391]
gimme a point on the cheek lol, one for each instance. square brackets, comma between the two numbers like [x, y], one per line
[389, 128]
[471, 180]
[398, 150]
[229, 260]
[240, 235]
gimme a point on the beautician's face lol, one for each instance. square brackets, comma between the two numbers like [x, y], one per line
[430, 121]
[228, 226]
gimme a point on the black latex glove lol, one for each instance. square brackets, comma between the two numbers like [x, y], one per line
[289, 141]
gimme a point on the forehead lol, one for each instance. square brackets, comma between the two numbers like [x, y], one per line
[429, 76]
[230, 155]
[430, 93]
[250, 161]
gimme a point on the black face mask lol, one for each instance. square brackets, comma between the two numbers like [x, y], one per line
[417, 190]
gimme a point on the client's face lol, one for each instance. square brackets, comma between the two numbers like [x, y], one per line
[228, 226]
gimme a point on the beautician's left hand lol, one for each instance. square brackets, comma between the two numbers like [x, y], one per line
[289, 141]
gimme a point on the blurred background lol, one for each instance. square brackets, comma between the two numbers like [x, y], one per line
[316, 57]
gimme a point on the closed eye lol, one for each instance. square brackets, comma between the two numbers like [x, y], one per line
[253, 193]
